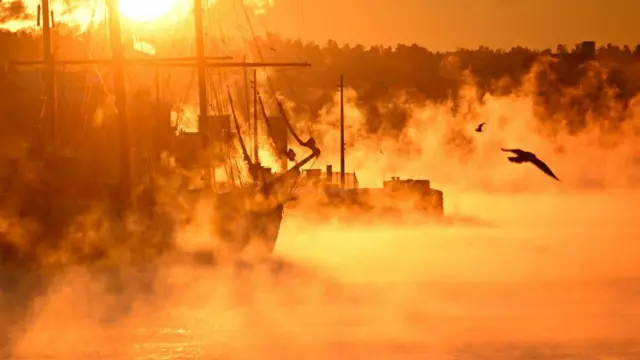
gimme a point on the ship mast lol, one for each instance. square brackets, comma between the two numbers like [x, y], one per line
[203, 120]
[118, 64]
[49, 77]
[115, 36]
[204, 126]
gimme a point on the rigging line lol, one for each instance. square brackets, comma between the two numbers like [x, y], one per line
[85, 105]
[253, 34]
[271, 132]
[189, 86]
[297, 183]
[282, 71]
[269, 82]
[267, 37]
[95, 67]
[242, 29]
[264, 115]
[256, 43]
[234, 166]
[310, 143]
[223, 33]
[212, 99]
[225, 79]
[235, 119]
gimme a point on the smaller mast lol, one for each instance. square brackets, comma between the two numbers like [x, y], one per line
[246, 91]
[255, 117]
[49, 77]
[115, 35]
[342, 177]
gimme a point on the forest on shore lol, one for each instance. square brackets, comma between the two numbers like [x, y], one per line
[565, 82]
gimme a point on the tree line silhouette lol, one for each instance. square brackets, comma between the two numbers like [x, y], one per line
[570, 88]
[564, 82]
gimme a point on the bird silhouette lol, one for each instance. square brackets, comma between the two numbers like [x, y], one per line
[525, 156]
[479, 128]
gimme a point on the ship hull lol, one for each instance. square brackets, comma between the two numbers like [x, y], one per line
[77, 224]
[239, 221]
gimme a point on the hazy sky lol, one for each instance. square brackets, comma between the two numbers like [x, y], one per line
[448, 24]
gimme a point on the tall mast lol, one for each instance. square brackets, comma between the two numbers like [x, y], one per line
[255, 116]
[49, 77]
[342, 130]
[204, 126]
[115, 36]
[203, 120]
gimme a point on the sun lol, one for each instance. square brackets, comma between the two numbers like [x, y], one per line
[145, 10]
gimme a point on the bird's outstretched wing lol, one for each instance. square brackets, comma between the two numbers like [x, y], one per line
[481, 126]
[517, 159]
[542, 166]
[515, 151]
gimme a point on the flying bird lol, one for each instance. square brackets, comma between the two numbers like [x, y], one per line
[525, 156]
[479, 128]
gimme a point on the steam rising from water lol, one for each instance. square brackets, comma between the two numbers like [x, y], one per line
[362, 289]
[518, 258]
[438, 141]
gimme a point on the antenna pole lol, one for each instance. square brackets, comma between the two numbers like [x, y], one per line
[49, 77]
[342, 177]
[115, 35]
[255, 116]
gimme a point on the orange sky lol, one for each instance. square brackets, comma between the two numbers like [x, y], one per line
[447, 24]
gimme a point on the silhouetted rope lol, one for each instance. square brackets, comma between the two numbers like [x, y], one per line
[270, 84]
[310, 144]
[291, 156]
[245, 153]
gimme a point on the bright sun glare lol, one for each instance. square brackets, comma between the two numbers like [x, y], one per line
[145, 10]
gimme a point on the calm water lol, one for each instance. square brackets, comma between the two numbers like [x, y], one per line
[533, 311]
[175, 344]
[484, 321]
